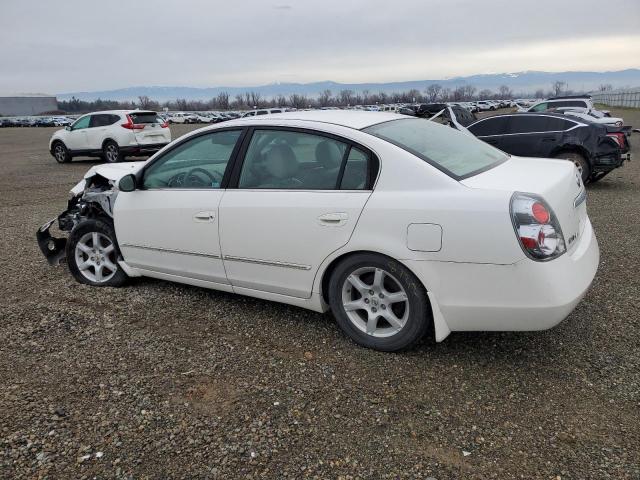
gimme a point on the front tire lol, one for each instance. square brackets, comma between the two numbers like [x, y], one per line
[579, 160]
[111, 152]
[61, 153]
[93, 253]
[379, 303]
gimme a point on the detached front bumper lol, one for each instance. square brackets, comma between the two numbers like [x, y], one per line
[52, 248]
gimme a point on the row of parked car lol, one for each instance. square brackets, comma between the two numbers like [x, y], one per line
[561, 127]
[58, 121]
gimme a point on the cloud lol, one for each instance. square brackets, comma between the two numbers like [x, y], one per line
[59, 47]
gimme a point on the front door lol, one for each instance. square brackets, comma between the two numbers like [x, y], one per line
[298, 198]
[170, 224]
[76, 138]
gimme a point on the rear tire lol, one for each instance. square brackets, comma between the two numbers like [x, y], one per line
[379, 303]
[579, 160]
[93, 253]
[61, 153]
[111, 152]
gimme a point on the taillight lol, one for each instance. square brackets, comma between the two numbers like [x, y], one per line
[617, 137]
[536, 227]
[130, 125]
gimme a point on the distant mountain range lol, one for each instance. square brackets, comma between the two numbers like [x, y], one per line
[520, 83]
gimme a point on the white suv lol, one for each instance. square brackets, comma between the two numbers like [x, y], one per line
[560, 102]
[112, 135]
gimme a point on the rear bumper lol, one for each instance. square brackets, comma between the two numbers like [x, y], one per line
[526, 295]
[142, 149]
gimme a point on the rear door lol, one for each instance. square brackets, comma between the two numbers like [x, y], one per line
[149, 129]
[98, 129]
[298, 198]
[531, 136]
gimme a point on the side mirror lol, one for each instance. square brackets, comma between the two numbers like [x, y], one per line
[68, 128]
[127, 183]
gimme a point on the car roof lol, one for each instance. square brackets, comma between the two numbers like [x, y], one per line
[356, 119]
[120, 112]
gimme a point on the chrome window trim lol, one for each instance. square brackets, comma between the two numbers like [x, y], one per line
[571, 120]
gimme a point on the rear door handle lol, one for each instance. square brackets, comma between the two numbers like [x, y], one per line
[206, 216]
[333, 219]
[549, 139]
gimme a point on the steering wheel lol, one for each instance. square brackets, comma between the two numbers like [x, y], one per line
[191, 179]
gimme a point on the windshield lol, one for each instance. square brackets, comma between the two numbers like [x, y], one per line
[457, 154]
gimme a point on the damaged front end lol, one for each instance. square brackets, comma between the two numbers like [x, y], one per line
[93, 197]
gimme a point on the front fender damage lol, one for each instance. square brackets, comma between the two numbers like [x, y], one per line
[93, 197]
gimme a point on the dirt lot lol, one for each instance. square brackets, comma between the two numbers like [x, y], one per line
[158, 380]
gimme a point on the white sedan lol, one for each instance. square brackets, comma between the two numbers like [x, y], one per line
[397, 224]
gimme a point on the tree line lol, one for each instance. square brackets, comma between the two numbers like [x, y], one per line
[343, 98]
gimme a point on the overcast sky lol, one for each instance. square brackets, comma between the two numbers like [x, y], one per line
[86, 45]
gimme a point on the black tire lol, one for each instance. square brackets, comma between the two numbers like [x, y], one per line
[113, 277]
[111, 152]
[419, 319]
[60, 152]
[579, 160]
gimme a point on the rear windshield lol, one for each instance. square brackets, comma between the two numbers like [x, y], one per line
[457, 154]
[145, 117]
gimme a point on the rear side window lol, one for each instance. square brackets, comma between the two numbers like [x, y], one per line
[144, 117]
[103, 120]
[490, 126]
[295, 160]
[356, 171]
[570, 103]
[559, 124]
[528, 124]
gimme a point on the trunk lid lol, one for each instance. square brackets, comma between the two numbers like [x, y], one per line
[558, 182]
[153, 131]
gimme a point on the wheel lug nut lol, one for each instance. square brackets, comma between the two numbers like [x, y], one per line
[383, 306]
[374, 309]
[371, 292]
[381, 295]
[366, 300]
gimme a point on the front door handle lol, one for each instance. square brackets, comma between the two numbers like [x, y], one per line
[333, 219]
[207, 216]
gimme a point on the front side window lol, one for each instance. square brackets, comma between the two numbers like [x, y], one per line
[541, 107]
[457, 154]
[82, 122]
[278, 159]
[198, 163]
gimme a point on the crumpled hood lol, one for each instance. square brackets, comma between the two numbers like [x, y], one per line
[111, 171]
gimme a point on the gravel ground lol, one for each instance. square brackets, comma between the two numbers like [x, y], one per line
[159, 380]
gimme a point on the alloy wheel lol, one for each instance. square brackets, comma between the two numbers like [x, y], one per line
[96, 257]
[375, 302]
